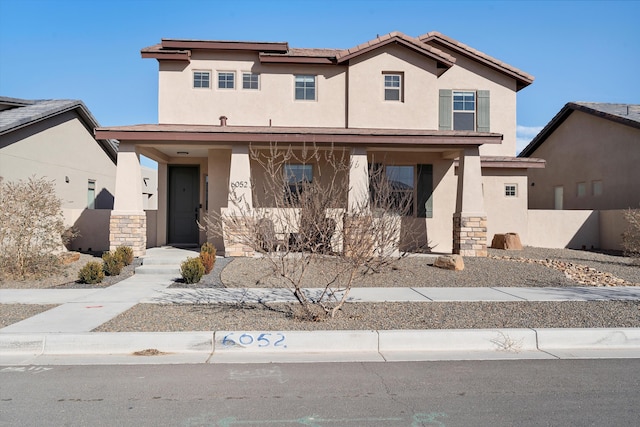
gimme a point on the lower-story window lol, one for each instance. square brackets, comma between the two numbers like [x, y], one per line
[511, 190]
[407, 189]
[296, 177]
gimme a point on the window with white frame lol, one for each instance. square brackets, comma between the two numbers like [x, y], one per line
[596, 188]
[393, 87]
[305, 87]
[201, 79]
[91, 194]
[581, 189]
[464, 110]
[511, 190]
[250, 81]
[226, 79]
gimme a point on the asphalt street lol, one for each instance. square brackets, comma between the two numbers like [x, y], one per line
[473, 393]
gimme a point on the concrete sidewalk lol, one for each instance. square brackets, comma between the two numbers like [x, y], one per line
[62, 335]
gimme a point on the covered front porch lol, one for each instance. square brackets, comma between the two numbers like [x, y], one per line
[203, 170]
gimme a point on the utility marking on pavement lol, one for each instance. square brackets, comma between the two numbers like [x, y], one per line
[94, 306]
[26, 369]
[251, 374]
[419, 419]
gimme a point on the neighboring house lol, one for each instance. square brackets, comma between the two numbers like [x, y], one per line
[435, 110]
[54, 139]
[592, 152]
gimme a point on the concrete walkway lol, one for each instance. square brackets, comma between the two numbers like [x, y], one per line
[65, 330]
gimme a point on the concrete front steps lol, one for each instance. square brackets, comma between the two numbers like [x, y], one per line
[165, 260]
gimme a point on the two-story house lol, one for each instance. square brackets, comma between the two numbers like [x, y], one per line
[435, 111]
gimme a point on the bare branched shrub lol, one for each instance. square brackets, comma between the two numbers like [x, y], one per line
[32, 225]
[631, 237]
[300, 219]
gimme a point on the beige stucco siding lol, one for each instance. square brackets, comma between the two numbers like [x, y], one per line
[58, 148]
[418, 107]
[470, 75]
[273, 103]
[505, 214]
[585, 149]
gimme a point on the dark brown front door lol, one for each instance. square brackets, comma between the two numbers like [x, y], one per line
[183, 201]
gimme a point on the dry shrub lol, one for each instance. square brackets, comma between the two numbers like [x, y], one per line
[32, 225]
[631, 237]
[208, 257]
[298, 220]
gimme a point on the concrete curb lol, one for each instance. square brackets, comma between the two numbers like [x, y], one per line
[311, 346]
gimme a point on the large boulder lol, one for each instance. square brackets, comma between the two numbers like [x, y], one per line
[449, 262]
[509, 241]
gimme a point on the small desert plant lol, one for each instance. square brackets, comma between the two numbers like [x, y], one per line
[192, 270]
[91, 272]
[125, 253]
[208, 257]
[112, 263]
[631, 237]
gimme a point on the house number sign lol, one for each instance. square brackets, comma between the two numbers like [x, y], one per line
[239, 184]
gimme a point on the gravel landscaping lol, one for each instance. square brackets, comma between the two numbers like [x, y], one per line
[13, 313]
[501, 268]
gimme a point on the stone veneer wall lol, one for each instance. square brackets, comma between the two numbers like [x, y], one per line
[470, 235]
[235, 234]
[128, 230]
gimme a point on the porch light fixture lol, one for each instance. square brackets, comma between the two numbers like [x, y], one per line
[183, 153]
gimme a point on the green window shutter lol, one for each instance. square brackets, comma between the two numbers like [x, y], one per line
[483, 111]
[425, 191]
[445, 110]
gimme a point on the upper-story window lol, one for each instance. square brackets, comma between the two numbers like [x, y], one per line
[226, 80]
[393, 87]
[464, 110]
[305, 87]
[201, 79]
[250, 81]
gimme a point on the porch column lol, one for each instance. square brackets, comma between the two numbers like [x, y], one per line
[358, 198]
[239, 203]
[470, 218]
[163, 191]
[240, 198]
[128, 222]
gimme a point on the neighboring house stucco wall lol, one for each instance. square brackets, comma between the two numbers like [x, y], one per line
[58, 148]
[587, 149]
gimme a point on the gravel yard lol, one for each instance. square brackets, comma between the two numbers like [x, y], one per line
[411, 271]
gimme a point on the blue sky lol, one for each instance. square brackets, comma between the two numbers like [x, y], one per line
[90, 49]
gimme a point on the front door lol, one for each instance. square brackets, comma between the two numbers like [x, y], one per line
[184, 203]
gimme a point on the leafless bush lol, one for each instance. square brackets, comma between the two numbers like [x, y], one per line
[32, 224]
[301, 219]
[631, 237]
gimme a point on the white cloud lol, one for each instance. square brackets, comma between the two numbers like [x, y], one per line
[524, 135]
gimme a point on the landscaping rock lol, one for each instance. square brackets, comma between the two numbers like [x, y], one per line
[450, 262]
[510, 241]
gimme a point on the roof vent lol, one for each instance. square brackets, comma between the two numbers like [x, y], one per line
[223, 120]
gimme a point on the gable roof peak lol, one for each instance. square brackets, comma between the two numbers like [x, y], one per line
[523, 79]
[412, 43]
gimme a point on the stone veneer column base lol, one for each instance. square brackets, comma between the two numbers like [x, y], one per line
[128, 230]
[235, 234]
[470, 235]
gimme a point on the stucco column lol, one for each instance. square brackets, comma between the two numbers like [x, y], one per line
[358, 198]
[163, 209]
[239, 203]
[470, 218]
[240, 198]
[128, 222]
